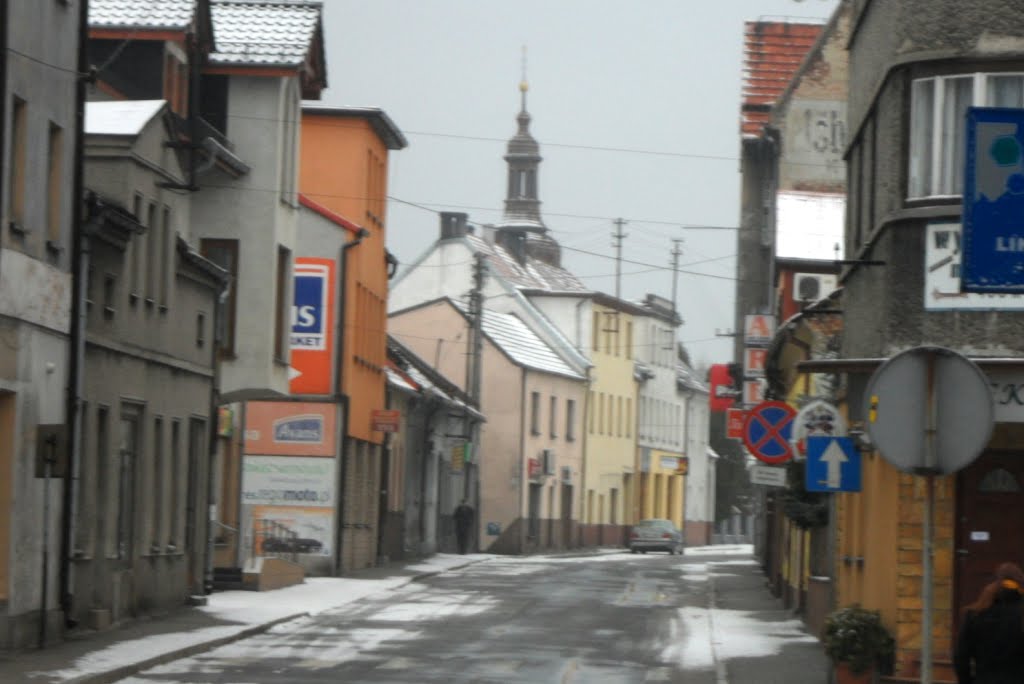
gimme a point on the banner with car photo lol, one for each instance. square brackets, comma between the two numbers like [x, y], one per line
[288, 505]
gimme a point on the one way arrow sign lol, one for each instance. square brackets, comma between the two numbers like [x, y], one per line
[833, 465]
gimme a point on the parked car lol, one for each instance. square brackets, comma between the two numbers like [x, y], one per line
[656, 534]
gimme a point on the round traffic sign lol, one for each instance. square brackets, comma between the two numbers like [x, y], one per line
[767, 429]
[929, 410]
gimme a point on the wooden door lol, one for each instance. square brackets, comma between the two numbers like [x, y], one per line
[990, 498]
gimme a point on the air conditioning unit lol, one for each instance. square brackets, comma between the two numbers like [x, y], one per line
[812, 287]
[547, 460]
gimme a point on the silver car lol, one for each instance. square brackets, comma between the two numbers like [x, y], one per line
[656, 534]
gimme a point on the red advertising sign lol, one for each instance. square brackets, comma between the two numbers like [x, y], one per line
[721, 387]
[533, 468]
[313, 321]
[753, 392]
[383, 420]
[287, 428]
[734, 423]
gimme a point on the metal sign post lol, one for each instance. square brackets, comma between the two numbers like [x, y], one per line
[930, 413]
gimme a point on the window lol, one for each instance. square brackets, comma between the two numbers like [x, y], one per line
[629, 340]
[157, 489]
[553, 418]
[196, 456]
[224, 253]
[55, 189]
[16, 179]
[590, 411]
[103, 484]
[135, 284]
[600, 413]
[283, 308]
[595, 337]
[629, 417]
[175, 497]
[937, 109]
[167, 253]
[570, 420]
[109, 295]
[153, 254]
[200, 329]
[127, 457]
[619, 417]
[534, 413]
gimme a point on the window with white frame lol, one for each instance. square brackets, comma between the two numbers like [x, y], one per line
[938, 109]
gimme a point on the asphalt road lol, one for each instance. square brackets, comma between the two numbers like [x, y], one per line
[607, 618]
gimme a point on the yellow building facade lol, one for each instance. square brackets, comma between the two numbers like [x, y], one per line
[610, 504]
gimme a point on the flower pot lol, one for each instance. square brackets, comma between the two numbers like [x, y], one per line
[845, 676]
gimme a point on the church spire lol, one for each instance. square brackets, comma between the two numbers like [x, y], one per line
[522, 206]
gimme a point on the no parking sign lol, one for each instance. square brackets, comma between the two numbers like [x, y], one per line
[767, 430]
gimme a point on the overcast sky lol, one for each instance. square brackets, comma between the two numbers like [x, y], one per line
[635, 106]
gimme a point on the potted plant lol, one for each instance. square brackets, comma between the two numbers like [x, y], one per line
[858, 644]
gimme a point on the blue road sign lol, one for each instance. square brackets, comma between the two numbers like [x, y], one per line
[767, 429]
[993, 202]
[833, 465]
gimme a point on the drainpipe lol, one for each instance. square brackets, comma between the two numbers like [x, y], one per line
[524, 472]
[211, 493]
[3, 86]
[76, 357]
[338, 378]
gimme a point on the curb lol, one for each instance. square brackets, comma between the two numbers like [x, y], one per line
[110, 676]
[184, 652]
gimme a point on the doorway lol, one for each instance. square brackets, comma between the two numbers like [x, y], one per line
[989, 492]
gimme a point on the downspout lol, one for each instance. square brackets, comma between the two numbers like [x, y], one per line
[524, 472]
[3, 87]
[211, 493]
[339, 376]
[582, 497]
[76, 356]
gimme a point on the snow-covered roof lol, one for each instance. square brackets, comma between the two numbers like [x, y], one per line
[120, 117]
[264, 32]
[688, 378]
[808, 225]
[523, 345]
[533, 275]
[141, 14]
[395, 378]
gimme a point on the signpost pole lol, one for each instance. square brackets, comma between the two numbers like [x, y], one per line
[927, 547]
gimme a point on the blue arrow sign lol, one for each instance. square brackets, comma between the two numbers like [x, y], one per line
[833, 465]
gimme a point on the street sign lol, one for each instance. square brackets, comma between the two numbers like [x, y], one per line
[734, 419]
[771, 476]
[929, 410]
[993, 201]
[753, 392]
[833, 465]
[385, 420]
[816, 418]
[767, 430]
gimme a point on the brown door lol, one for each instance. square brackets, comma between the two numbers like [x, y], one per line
[990, 498]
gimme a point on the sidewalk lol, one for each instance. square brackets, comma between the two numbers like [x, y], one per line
[101, 657]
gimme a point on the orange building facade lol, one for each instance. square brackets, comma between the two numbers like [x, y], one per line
[343, 168]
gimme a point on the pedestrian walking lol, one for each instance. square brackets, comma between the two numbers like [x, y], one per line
[990, 645]
[464, 515]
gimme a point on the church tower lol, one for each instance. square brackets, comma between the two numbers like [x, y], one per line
[521, 229]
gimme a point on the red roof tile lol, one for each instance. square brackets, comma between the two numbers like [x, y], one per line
[773, 51]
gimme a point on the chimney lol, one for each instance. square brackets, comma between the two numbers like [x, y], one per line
[453, 224]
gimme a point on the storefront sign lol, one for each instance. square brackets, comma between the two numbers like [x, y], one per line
[942, 256]
[754, 362]
[734, 423]
[312, 334]
[385, 420]
[758, 330]
[288, 481]
[290, 428]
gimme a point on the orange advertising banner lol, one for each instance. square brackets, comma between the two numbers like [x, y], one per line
[286, 428]
[313, 320]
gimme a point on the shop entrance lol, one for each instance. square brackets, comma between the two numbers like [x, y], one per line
[990, 498]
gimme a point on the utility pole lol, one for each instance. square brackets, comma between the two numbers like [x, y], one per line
[617, 237]
[474, 379]
[676, 253]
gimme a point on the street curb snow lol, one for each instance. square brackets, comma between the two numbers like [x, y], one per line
[110, 676]
[134, 668]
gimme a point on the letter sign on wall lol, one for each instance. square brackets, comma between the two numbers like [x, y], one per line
[312, 336]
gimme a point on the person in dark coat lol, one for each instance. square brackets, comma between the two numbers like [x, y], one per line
[463, 523]
[990, 645]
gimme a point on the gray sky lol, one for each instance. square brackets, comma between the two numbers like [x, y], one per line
[656, 83]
